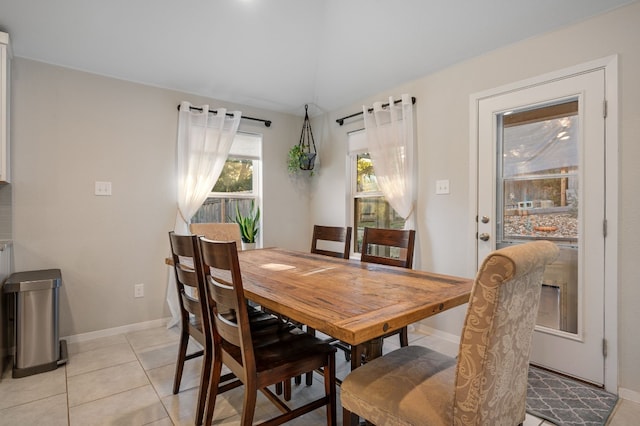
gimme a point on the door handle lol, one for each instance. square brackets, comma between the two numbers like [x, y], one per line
[484, 236]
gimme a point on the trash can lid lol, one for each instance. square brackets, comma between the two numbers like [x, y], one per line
[33, 280]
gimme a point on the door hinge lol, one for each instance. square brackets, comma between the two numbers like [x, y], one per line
[604, 109]
[604, 348]
[604, 228]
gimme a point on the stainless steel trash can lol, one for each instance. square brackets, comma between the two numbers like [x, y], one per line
[34, 311]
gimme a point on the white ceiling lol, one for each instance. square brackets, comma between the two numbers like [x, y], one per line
[277, 54]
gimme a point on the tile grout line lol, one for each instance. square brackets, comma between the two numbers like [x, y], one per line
[66, 388]
[137, 359]
[149, 379]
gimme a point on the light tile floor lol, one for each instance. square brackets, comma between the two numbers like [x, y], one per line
[127, 380]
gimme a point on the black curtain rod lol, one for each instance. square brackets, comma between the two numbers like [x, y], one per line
[340, 121]
[267, 123]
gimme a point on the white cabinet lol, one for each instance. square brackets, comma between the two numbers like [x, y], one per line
[5, 84]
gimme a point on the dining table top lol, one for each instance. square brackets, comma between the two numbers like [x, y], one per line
[346, 299]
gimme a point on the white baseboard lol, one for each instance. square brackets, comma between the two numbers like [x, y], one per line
[629, 395]
[116, 330]
[430, 331]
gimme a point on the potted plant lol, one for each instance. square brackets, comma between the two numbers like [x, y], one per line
[249, 225]
[303, 155]
[299, 160]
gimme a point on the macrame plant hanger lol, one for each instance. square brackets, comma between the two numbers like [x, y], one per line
[307, 144]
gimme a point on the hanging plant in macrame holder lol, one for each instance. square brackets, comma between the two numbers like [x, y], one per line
[303, 155]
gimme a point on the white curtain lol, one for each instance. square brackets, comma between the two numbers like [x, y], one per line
[204, 141]
[390, 141]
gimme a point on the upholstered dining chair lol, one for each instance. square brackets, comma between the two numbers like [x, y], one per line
[258, 361]
[392, 247]
[487, 383]
[218, 232]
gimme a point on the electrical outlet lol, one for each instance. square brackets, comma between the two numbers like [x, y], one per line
[138, 290]
[442, 186]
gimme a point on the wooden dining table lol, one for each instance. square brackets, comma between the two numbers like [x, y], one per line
[353, 301]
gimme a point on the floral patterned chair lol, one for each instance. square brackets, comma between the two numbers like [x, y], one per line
[487, 383]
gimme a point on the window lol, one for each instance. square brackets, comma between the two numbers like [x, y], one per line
[239, 183]
[538, 174]
[369, 207]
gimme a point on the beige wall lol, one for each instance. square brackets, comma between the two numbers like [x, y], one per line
[445, 242]
[71, 129]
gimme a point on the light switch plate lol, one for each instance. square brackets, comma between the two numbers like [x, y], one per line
[442, 186]
[103, 188]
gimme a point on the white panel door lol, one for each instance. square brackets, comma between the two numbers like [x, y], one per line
[541, 175]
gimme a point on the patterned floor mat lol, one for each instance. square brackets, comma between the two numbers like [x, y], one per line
[567, 402]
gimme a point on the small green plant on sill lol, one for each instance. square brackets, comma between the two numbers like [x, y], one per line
[249, 225]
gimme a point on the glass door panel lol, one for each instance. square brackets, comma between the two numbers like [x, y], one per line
[537, 191]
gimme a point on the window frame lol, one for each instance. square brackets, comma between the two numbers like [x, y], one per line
[256, 193]
[357, 146]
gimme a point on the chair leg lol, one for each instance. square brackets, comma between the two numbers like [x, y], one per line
[347, 418]
[404, 337]
[205, 377]
[308, 376]
[330, 389]
[182, 354]
[249, 406]
[287, 390]
[214, 382]
[286, 385]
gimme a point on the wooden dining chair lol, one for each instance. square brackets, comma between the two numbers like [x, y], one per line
[194, 324]
[392, 247]
[186, 261]
[334, 241]
[258, 361]
[487, 383]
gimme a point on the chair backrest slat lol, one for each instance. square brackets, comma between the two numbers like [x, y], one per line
[401, 240]
[192, 305]
[187, 276]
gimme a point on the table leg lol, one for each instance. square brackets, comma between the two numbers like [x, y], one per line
[373, 349]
